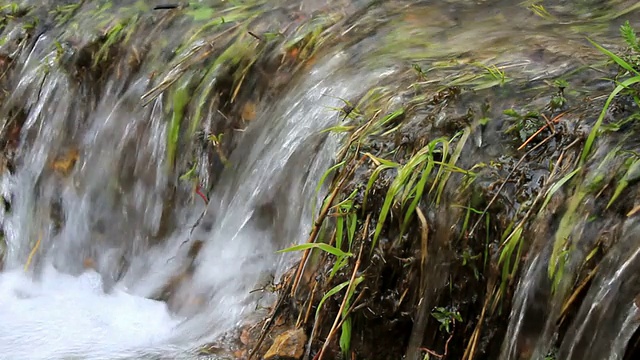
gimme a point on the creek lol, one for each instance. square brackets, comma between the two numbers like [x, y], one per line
[101, 212]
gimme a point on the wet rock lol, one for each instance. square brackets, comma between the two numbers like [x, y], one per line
[287, 346]
[249, 111]
[64, 163]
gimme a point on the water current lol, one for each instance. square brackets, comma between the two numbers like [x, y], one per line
[88, 247]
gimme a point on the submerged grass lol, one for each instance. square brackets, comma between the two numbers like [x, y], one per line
[592, 183]
[398, 192]
[421, 178]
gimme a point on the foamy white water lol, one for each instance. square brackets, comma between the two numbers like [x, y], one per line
[61, 315]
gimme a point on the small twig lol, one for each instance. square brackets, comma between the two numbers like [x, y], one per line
[446, 346]
[351, 309]
[317, 225]
[166, 7]
[202, 195]
[268, 322]
[313, 294]
[334, 328]
[424, 230]
[431, 352]
[32, 253]
[470, 351]
[574, 296]
[549, 123]
[254, 35]
[493, 199]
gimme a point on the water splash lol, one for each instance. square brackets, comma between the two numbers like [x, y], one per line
[111, 205]
[62, 316]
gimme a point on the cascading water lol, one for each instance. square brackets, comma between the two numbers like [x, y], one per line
[109, 255]
[114, 199]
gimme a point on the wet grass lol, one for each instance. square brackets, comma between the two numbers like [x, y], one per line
[394, 191]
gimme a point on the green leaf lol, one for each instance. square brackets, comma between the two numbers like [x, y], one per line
[345, 336]
[596, 127]
[557, 185]
[632, 174]
[629, 36]
[512, 113]
[623, 64]
[339, 231]
[322, 246]
[329, 294]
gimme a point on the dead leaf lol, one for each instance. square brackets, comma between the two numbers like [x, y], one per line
[633, 211]
[64, 164]
[249, 111]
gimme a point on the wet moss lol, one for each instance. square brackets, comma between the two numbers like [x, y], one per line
[452, 257]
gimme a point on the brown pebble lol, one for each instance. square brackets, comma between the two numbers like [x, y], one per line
[64, 164]
[245, 336]
[288, 345]
[89, 263]
[249, 111]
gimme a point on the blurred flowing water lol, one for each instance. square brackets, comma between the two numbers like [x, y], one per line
[261, 204]
[104, 253]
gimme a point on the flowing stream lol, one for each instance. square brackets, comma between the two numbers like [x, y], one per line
[261, 205]
[87, 252]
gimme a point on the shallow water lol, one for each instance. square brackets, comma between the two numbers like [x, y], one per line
[114, 199]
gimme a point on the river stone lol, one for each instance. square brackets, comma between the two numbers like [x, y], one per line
[287, 346]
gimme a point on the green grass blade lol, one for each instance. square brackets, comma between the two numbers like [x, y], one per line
[556, 186]
[321, 182]
[322, 246]
[631, 175]
[623, 64]
[336, 289]
[337, 265]
[180, 99]
[372, 180]
[352, 222]
[418, 195]
[596, 127]
[339, 231]
[452, 162]
[345, 335]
